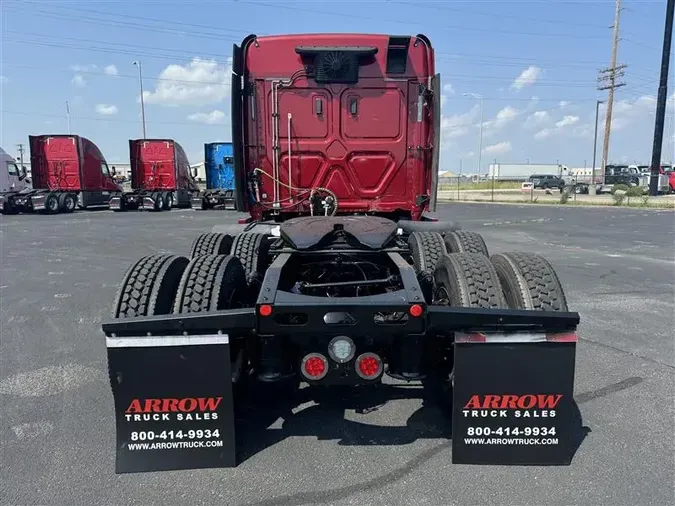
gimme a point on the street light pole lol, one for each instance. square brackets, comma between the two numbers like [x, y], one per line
[591, 188]
[661, 102]
[480, 135]
[140, 82]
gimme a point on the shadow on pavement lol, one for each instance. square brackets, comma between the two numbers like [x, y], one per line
[320, 412]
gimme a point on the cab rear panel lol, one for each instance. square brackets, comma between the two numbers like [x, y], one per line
[219, 168]
[55, 162]
[350, 114]
[160, 177]
[152, 164]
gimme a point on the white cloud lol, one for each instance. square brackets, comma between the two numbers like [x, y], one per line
[536, 118]
[566, 121]
[448, 89]
[498, 149]
[504, 116]
[458, 125]
[83, 68]
[106, 110]
[214, 117]
[585, 130]
[110, 70]
[563, 103]
[79, 81]
[526, 78]
[543, 134]
[627, 112]
[200, 82]
[561, 127]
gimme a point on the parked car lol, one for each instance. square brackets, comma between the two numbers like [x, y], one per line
[545, 181]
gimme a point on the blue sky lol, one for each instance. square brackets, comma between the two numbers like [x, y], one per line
[534, 62]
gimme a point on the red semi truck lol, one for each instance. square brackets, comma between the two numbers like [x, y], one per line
[160, 177]
[339, 278]
[68, 171]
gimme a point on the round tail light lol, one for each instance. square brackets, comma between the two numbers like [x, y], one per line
[369, 366]
[314, 366]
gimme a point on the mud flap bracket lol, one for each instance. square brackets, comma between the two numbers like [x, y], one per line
[513, 399]
[173, 401]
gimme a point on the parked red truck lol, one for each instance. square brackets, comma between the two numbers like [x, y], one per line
[68, 171]
[160, 177]
[340, 278]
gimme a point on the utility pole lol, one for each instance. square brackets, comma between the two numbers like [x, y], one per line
[20, 149]
[608, 81]
[591, 188]
[661, 102]
[68, 116]
[140, 82]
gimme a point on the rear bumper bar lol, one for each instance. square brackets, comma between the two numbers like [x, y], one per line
[435, 318]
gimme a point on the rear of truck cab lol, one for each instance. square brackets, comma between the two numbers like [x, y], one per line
[160, 177]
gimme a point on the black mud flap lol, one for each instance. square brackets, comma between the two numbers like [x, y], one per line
[513, 399]
[173, 402]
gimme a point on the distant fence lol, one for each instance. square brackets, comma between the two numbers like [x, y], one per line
[512, 188]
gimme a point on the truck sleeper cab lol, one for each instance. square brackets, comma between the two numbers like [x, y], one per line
[160, 177]
[68, 171]
[219, 168]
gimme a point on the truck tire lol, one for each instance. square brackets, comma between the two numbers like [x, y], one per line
[460, 280]
[52, 203]
[149, 286]
[159, 201]
[251, 248]
[211, 283]
[168, 201]
[211, 244]
[467, 280]
[426, 249]
[529, 282]
[463, 241]
[67, 202]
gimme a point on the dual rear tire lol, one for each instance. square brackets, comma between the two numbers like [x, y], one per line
[466, 276]
[457, 270]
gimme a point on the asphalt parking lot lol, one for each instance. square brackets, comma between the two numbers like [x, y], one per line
[58, 280]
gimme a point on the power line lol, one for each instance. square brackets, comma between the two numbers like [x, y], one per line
[113, 120]
[409, 22]
[461, 78]
[499, 60]
[500, 15]
[219, 32]
[125, 76]
[201, 33]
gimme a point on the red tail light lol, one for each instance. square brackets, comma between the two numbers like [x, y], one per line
[314, 366]
[369, 366]
[416, 310]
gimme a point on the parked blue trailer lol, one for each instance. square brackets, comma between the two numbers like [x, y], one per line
[219, 168]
